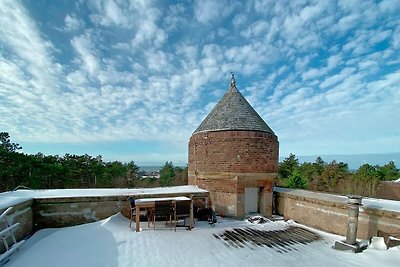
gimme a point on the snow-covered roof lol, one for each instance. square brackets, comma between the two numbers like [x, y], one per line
[111, 243]
[12, 198]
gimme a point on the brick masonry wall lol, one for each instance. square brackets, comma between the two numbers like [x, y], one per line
[234, 151]
[227, 191]
[222, 193]
[389, 190]
[226, 162]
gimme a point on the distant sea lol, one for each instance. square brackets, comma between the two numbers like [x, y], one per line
[150, 168]
[155, 168]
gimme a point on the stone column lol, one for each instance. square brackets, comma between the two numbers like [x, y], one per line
[353, 203]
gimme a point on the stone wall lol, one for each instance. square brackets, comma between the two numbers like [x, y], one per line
[389, 190]
[22, 213]
[62, 212]
[329, 213]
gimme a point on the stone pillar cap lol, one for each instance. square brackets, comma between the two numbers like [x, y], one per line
[354, 199]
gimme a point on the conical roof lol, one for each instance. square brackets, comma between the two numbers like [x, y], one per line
[233, 112]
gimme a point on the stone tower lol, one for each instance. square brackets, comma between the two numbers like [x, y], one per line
[234, 155]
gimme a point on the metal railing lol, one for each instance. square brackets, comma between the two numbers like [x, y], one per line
[8, 233]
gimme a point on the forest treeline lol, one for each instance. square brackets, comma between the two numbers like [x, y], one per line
[39, 171]
[335, 176]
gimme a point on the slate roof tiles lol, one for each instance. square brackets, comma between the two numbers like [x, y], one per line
[233, 112]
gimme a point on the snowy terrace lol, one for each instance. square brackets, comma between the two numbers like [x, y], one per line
[108, 241]
[111, 242]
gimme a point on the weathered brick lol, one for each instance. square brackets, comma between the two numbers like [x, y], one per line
[226, 162]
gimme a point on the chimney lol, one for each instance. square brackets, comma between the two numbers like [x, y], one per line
[353, 203]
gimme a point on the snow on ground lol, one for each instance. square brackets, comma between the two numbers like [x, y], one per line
[111, 242]
[11, 198]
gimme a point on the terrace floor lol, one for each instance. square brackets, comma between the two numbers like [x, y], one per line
[111, 242]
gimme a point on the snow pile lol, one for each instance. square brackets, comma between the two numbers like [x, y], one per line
[378, 243]
[111, 242]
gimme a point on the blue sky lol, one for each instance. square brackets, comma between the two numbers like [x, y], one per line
[131, 80]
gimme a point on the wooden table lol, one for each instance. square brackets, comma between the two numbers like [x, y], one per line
[146, 203]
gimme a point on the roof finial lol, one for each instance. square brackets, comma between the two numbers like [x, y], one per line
[233, 82]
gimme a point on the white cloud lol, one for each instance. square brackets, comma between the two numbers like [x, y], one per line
[206, 11]
[72, 23]
[396, 38]
[296, 98]
[351, 5]
[148, 30]
[379, 36]
[34, 53]
[142, 70]
[174, 18]
[334, 79]
[77, 78]
[312, 73]
[239, 20]
[367, 64]
[389, 81]
[84, 46]
[112, 13]
[122, 46]
[158, 61]
[389, 6]
[334, 61]
[255, 29]
[348, 22]
[30, 79]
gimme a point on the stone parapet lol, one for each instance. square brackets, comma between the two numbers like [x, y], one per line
[68, 211]
[329, 212]
[62, 212]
